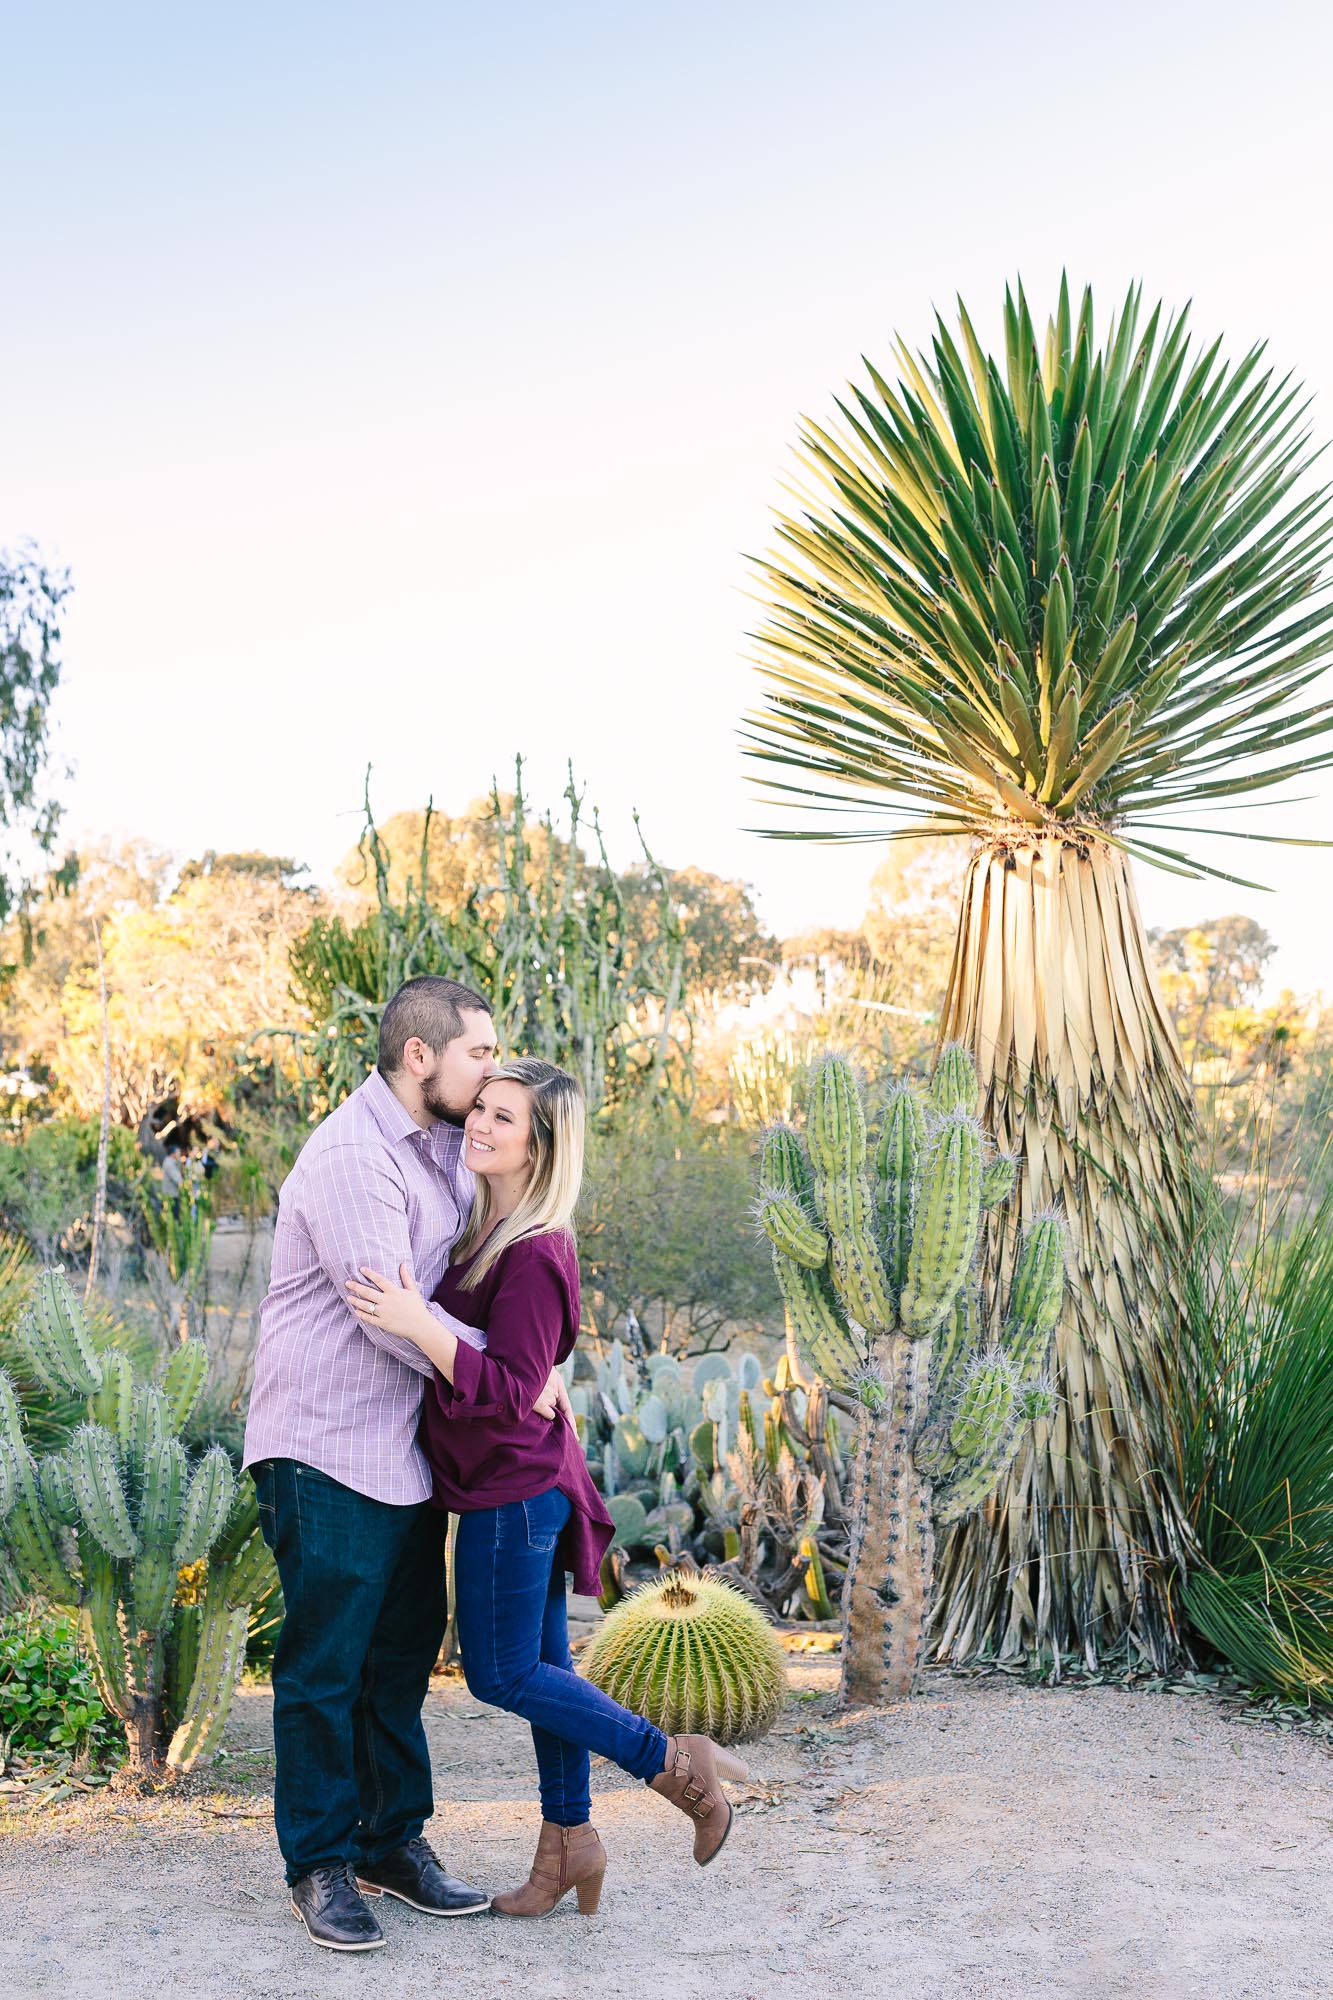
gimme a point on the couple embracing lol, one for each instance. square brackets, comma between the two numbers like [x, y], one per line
[424, 1290]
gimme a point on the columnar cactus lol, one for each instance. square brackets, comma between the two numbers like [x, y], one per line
[109, 1522]
[878, 1272]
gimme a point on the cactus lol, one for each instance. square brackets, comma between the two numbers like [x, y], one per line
[207, 1505]
[790, 1229]
[240, 1573]
[902, 1141]
[108, 1523]
[954, 1084]
[692, 1654]
[890, 1315]
[630, 1518]
[183, 1381]
[632, 1448]
[102, 1505]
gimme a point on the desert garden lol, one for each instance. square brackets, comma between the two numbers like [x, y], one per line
[957, 1352]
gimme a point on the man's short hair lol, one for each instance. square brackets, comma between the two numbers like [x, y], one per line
[429, 1008]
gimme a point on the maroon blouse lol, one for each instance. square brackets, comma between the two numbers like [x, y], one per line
[485, 1444]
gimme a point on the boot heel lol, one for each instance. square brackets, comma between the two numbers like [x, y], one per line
[730, 1767]
[589, 1893]
[368, 1888]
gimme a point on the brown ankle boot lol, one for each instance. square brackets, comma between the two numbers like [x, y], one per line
[692, 1781]
[567, 1857]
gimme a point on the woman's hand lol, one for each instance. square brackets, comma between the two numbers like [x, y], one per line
[399, 1309]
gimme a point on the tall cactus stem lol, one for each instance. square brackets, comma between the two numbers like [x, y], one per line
[183, 1382]
[946, 1225]
[62, 1327]
[902, 1142]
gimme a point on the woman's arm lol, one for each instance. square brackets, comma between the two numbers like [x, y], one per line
[524, 1326]
[401, 1310]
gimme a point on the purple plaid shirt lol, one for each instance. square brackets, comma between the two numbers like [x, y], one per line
[370, 1187]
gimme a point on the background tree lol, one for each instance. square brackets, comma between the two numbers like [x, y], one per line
[31, 596]
[666, 1232]
[192, 971]
[911, 917]
[1211, 973]
[721, 933]
[453, 856]
[1053, 602]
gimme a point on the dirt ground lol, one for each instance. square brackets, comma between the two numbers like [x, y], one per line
[989, 1840]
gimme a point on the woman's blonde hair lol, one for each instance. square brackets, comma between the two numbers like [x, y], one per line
[555, 1153]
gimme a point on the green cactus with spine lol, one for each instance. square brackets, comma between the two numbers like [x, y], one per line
[890, 1314]
[108, 1523]
[692, 1654]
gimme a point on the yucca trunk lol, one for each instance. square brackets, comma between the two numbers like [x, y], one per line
[1053, 990]
[886, 1599]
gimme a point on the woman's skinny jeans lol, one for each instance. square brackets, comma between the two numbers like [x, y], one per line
[509, 1593]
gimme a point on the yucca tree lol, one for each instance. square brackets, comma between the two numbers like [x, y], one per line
[1054, 603]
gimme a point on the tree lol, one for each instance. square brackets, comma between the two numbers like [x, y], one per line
[1052, 603]
[1209, 972]
[192, 973]
[911, 918]
[666, 1231]
[721, 930]
[453, 856]
[31, 596]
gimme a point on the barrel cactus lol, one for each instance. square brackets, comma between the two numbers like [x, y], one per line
[109, 1522]
[694, 1655]
[875, 1250]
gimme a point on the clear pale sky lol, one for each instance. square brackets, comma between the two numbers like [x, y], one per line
[404, 385]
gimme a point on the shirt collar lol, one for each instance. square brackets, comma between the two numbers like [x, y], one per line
[445, 1142]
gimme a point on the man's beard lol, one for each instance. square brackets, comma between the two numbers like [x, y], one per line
[440, 1107]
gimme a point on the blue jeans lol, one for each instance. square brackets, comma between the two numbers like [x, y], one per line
[363, 1584]
[509, 1600]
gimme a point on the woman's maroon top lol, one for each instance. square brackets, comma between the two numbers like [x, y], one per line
[485, 1443]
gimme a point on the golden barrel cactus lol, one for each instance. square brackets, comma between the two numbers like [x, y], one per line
[695, 1656]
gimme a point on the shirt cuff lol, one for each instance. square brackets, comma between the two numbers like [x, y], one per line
[467, 1373]
[467, 1336]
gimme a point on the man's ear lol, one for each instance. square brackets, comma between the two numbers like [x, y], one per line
[416, 1056]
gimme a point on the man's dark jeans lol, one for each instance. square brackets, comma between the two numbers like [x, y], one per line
[363, 1584]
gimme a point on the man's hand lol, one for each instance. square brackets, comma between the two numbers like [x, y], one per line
[554, 1399]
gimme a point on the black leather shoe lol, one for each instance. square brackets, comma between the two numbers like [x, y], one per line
[414, 1875]
[329, 1905]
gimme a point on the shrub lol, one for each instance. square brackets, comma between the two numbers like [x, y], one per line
[48, 1181]
[49, 1704]
[666, 1231]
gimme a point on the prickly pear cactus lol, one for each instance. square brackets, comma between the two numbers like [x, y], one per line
[109, 1522]
[875, 1242]
[692, 1654]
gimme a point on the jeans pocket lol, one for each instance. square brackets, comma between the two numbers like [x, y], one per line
[544, 1517]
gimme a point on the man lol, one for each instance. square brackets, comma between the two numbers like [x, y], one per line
[343, 1485]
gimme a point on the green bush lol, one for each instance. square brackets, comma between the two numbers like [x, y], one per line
[49, 1704]
[667, 1231]
[48, 1182]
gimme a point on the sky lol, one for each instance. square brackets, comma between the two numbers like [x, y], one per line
[406, 387]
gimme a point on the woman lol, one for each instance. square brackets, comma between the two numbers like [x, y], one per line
[527, 1507]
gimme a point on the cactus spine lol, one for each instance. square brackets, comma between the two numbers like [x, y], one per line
[890, 1314]
[108, 1523]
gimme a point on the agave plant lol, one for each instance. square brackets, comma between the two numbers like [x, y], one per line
[1053, 603]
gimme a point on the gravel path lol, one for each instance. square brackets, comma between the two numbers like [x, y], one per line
[988, 1841]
